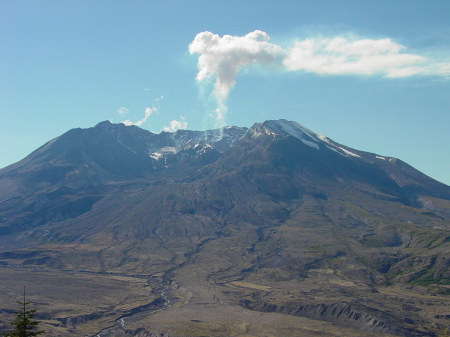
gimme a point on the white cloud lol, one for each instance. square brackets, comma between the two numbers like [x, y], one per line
[176, 125]
[123, 111]
[148, 112]
[221, 59]
[341, 56]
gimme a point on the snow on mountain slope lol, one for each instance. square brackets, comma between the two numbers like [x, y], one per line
[306, 136]
[166, 144]
[217, 139]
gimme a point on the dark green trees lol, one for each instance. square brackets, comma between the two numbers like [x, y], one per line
[24, 326]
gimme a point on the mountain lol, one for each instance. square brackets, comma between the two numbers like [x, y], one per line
[271, 220]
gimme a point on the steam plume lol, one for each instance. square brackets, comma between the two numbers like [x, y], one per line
[176, 125]
[221, 59]
[123, 111]
[148, 112]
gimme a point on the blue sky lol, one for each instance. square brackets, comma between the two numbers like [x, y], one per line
[372, 75]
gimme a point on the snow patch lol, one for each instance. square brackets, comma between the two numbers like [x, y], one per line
[324, 138]
[256, 132]
[332, 148]
[349, 153]
[163, 152]
[155, 155]
[296, 130]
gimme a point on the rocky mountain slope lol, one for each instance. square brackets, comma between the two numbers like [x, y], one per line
[271, 219]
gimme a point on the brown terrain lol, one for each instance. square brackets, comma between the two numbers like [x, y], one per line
[271, 231]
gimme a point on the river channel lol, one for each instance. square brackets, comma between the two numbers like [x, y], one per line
[163, 302]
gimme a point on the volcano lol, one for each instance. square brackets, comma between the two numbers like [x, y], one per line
[272, 230]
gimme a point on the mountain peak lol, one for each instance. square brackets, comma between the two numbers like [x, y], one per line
[306, 136]
[291, 128]
[103, 124]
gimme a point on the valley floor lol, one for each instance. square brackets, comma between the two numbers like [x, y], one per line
[83, 304]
